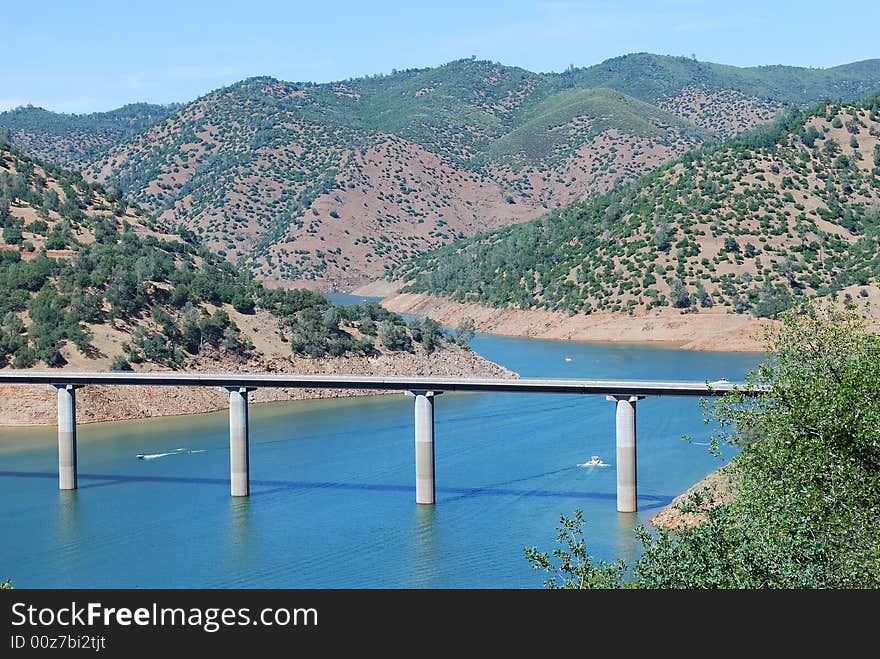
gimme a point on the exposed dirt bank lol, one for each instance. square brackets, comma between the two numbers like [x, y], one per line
[27, 405]
[715, 330]
[378, 288]
[717, 484]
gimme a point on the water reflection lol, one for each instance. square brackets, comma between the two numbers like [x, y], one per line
[68, 533]
[646, 501]
[426, 563]
[627, 543]
[68, 517]
[240, 529]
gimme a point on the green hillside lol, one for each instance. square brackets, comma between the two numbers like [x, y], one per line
[455, 110]
[783, 213]
[546, 133]
[651, 77]
[72, 139]
[85, 276]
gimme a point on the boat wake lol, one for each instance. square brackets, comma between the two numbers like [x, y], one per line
[177, 451]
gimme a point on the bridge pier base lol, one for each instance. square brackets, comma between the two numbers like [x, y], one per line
[625, 422]
[424, 444]
[66, 435]
[239, 467]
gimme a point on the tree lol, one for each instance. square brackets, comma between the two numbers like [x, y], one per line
[704, 297]
[120, 363]
[432, 333]
[394, 337]
[772, 301]
[415, 329]
[122, 292]
[804, 511]
[679, 295]
[811, 134]
[575, 569]
[662, 236]
[59, 237]
[242, 303]
[465, 331]
[12, 234]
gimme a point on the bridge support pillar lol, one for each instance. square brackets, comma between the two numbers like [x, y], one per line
[239, 467]
[66, 435]
[627, 489]
[424, 436]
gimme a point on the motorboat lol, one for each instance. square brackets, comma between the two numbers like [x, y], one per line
[594, 461]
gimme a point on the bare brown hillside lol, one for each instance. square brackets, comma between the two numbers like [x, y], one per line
[393, 201]
[315, 204]
[611, 158]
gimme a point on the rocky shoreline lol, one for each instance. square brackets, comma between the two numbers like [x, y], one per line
[35, 405]
[706, 330]
[717, 483]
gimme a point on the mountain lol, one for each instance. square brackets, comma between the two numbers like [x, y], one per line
[91, 281]
[71, 140]
[333, 185]
[785, 212]
[579, 140]
[296, 198]
[655, 77]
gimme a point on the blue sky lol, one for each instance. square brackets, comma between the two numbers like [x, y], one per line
[95, 55]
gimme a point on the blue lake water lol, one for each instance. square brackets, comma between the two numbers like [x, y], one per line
[346, 299]
[332, 500]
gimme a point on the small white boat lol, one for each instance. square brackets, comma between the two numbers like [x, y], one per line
[568, 359]
[594, 461]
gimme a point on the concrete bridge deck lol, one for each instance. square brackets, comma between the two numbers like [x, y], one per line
[425, 389]
[374, 382]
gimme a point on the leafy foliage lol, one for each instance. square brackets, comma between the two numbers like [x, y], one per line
[464, 331]
[575, 568]
[805, 507]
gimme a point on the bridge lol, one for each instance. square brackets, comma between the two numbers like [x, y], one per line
[424, 389]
